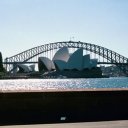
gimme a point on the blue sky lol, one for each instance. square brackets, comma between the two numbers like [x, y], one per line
[28, 23]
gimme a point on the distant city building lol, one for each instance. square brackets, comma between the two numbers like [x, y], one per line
[112, 71]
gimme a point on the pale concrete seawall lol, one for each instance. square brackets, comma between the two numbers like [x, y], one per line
[101, 124]
[60, 106]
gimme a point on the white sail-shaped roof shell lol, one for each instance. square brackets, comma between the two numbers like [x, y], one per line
[47, 62]
[60, 64]
[93, 63]
[23, 67]
[76, 60]
[32, 68]
[62, 54]
[86, 61]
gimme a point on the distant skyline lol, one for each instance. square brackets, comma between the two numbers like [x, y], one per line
[25, 24]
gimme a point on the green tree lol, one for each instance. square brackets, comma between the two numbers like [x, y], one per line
[1, 63]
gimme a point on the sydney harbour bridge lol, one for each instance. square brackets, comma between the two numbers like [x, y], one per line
[104, 55]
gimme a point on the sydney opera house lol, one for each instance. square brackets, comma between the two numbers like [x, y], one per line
[25, 68]
[63, 60]
[66, 64]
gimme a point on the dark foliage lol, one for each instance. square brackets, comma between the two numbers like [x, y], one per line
[1, 63]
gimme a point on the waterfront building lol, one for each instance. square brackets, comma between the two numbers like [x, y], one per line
[25, 68]
[45, 64]
[93, 63]
[60, 65]
[62, 54]
[62, 60]
[76, 59]
[86, 61]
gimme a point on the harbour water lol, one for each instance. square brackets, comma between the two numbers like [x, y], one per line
[48, 84]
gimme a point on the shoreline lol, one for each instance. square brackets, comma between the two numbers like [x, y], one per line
[59, 77]
[66, 90]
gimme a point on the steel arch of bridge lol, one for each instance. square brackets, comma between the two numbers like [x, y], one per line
[111, 56]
